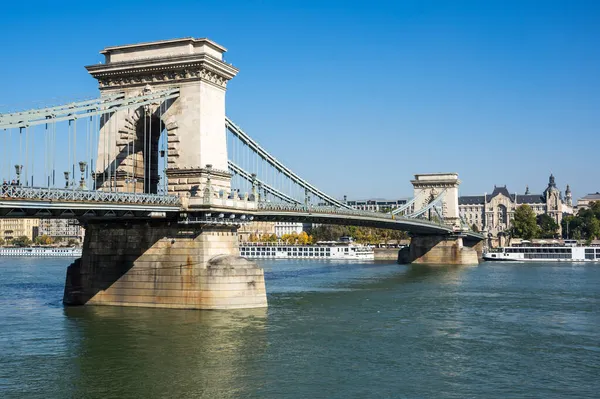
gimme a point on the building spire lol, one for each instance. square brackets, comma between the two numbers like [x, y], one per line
[568, 196]
[527, 190]
[551, 181]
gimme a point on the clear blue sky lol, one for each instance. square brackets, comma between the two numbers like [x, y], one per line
[358, 96]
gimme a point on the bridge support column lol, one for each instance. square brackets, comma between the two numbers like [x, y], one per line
[165, 265]
[438, 250]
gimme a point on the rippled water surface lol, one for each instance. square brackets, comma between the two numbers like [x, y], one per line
[333, 330]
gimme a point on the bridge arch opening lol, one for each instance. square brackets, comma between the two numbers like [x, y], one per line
[133, 151]
[150, 152]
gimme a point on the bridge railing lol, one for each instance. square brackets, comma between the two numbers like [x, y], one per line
[11, 192]
[277, 207]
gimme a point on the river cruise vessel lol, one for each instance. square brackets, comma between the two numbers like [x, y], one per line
[526, 252]
[71, 252]
[321, 250]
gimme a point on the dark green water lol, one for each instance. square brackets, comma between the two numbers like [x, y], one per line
[333, 330]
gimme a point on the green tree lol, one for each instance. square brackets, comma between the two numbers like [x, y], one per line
[22, 241]
[590, 225]
[585, 225]
[548, 228]
[2, 242]
[595, 208]
[525, 224]
[73, 242]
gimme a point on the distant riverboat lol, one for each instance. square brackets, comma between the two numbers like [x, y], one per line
[568, 252]
[321, 250]
[72, 252]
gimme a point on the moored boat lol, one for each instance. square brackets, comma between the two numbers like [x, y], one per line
[568, 251]
[321, 250]
[41, 251]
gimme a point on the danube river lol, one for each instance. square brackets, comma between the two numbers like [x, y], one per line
[333, 330]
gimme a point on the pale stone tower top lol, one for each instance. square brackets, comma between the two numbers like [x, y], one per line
[163, 48]
[194, 121]
[170, 62]
[568, 196]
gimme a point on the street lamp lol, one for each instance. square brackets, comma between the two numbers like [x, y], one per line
[82, 165]
[67, 179]
[18, 169]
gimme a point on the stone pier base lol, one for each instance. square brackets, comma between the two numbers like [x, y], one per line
[438, 250]
[163, 264]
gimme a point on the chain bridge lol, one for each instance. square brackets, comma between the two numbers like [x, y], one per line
[162, 180]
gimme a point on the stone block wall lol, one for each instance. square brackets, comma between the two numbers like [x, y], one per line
[438, 250]
[163, 264]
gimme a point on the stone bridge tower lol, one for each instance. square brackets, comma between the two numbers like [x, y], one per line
[447, 249]
[159, 261]
[427, 187]
[193, 123]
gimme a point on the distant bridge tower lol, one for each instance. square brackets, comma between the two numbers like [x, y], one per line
[441, 190]
[440, 186]
[128, 150]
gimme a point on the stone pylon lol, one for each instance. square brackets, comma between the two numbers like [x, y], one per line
[193, 123]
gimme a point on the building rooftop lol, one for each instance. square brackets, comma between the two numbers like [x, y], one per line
[471, 200]
[591, 197]
[520, 198]
[500, 190]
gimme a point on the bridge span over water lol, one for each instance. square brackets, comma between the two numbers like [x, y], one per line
[162, 180]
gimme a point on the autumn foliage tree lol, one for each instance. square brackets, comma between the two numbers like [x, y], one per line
[43, 240]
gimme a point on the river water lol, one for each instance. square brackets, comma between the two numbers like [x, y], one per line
[333, 330]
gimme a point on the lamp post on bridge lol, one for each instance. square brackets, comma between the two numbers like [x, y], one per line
[254, 187]
[306, 198]
[82, 166]
[18, 170]
[67, 179]
[260, 197]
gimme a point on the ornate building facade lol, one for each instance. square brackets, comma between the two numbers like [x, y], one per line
[14, 228]
[62, 229]
[494, 213]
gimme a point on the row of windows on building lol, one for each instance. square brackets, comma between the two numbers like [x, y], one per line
[289, 249]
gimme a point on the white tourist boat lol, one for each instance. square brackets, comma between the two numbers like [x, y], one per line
[72, 252]
[526, 252]
[322, 250]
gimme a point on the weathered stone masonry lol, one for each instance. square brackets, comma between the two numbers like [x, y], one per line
[158, 264]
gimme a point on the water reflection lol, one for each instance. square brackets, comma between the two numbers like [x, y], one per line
[162, 353]
[410, 274]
